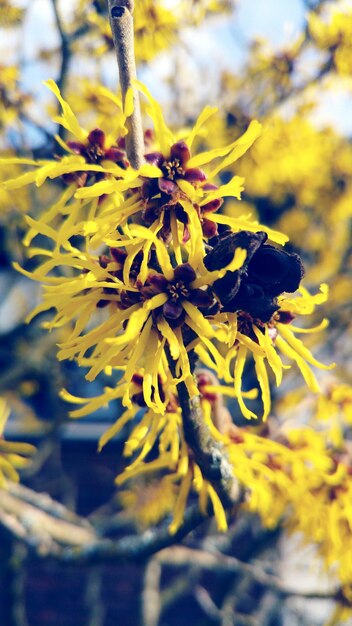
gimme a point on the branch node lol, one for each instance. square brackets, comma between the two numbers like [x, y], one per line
[117, 12]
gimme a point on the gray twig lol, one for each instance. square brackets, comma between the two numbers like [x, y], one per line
[121, 21]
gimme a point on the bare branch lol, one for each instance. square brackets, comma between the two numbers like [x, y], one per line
[65, 48]
[51, 530]
[182, 555]
[209, 454]
[151, 599]
[121, 21]
[41, 529]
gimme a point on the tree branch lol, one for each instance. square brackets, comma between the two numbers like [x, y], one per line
[49, 529]
[179, 556]
[121, 21]
[65, 47]
[209, 454]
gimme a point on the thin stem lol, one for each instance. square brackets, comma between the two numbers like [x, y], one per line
[65, 56]
[121, 21]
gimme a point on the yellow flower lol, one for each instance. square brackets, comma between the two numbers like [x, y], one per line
[12, 99]
[13, 456]
[10, 14]
[148, 502]
[89, 156]
[333, 32]
[152, 283]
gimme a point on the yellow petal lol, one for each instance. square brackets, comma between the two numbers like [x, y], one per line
[233, 188]
[69, 117]
[163, 134]
[263, 380]
[207, 112]
[181, 503]
[305, 369]
[240, 147]
[271, 354]
[20, 181]
[219, 511]
[204, 328]
[300, 348]
[243, 223]
[150, 171]
[170, 336]
[129, 102]
[238, 373]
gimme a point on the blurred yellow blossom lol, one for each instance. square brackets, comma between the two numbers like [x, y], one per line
[13, 455]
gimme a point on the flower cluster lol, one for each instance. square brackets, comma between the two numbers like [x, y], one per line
[158, 277]
[332, 32]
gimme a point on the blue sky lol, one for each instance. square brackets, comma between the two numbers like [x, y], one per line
[224, 40]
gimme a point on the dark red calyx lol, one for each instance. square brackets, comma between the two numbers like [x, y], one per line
[210, 187]
[119, 255]
[209, 229]
[180, 151]
[115, 154]
[76, 146]
[137, 379]
[195, 175]
[285, 317]
[154, 158]
[172, 310]
[159, 282]
[212, 206]
[200, 298]
[184, 273]
[167, 186]
[96, 137]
